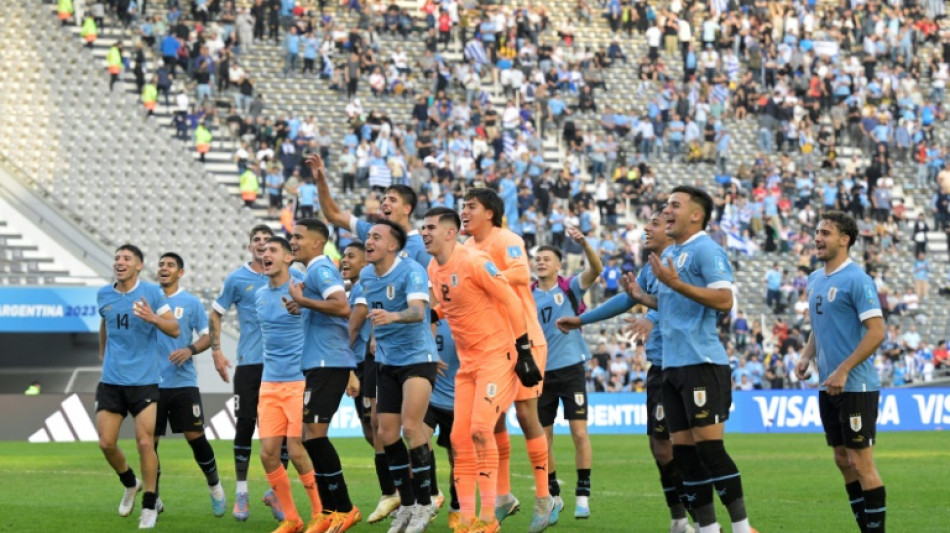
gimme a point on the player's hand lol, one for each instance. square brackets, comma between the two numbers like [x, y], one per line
[296, 291]
[667, 273]
[221, 364]
[381, 317]
[628, 282]
[568, 323]
[142, 310]
[180, 357]
[834, 385]
[440, 367]
[291, 306]
[802, 369]
[640, 327]
[353, 386]
[315, 162]
[525, 367]
[576, 235]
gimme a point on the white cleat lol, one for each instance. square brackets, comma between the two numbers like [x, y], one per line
[402, 519]
[422, 516]
[681, 525]
[388, 503]
[128, 499]
[148, 518]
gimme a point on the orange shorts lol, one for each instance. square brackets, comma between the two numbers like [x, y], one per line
[64, 15]
[280, 409]
[480, 398]
[91, 37]
[115, 69]
[150, 105]
[540, 354]
[203, 148]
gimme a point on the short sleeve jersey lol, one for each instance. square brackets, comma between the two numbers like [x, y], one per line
[282, 334]
[839, 303]
[690, 336]
[463, 286]
[564, 349]
[654, 343]
[132, 350]
[192, 320]
[415, 249]
[400, 344]
[362, 339]
[240, 289]
[507, 251]
[327, 338]
[443, 394]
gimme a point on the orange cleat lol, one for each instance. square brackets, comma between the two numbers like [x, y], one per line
[320, 523]
[290, 527]
[344, 521]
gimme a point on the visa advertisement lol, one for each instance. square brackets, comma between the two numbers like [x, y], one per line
[48, 310]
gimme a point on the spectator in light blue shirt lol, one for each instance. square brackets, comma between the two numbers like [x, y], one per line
[773, 286]
[291, 51]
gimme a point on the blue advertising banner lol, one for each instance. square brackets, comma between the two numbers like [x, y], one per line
[48, 310]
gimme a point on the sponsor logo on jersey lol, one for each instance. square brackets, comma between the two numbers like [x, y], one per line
[390, 292]
[699, 396]
[179, 312]
[250, 287]
[832, 293]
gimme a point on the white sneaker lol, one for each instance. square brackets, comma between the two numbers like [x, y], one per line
[388, 503]
[681, 525]
[401, 521]
[128, 498]
[422, 515]
[148, 518]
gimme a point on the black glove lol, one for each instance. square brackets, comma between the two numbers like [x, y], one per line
[526, 368]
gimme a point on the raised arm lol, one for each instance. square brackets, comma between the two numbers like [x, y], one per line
[594, 265]
[328, 205]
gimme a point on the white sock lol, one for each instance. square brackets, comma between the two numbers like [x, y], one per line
[241, 487]
[711, 528]
[741, 526]
[217, 491]
[678, 524]
[582, 501]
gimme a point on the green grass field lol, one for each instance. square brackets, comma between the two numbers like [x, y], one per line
[790, 485]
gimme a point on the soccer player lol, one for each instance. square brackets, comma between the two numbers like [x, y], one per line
[327, 362]
[488, 323]
[281, 401]
[660, 445]
[564, 380]
[239, 289]
[695, 285]
[847, 328]
[129, 351]
[482, 212]
[179, 401]
[441, 415]
[352, 262]
[396, 295]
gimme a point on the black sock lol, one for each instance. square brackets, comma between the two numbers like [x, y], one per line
[397, 456]
[875, 508]
[433, 478]
[284, 455]
[697, 484]
[856, 499]
[319, 477]
[243, 432]
[583, 482]
[127, 478]
[728, 481]
[333, 473]
[553, 486]
[421, 460]
[385, 479]
[204, 456]
[454, 495]
[672, 481]
[148, 500]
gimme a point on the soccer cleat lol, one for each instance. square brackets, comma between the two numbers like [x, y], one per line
[240, 511]
[681, 525]
[455, 518]
[344, 521]
[401, 520]
[388, 503]
[544, 510]
[558, 507]
[128, 498]
[159, 506]
[320, 523]
[581, 509]
[286, 526]
[270, 500]
[422, 516]
[148, 518]
[219, 502]
[485, 527]
[506, 506]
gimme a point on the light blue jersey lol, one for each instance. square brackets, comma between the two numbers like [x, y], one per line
[414, 249]
[132, 350]
[362, 339]
[327, 343]
[192, 320]
[654, 343]
[839, 303]
[689, 329]
[282, 334]
[443, 394]
[399, 344]
[239, 290]
[568, 349]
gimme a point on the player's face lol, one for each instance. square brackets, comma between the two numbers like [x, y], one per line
[435, 234]
[126, 265]
[168, 271]
[352, 262]
[475, 217]
[829, 241]
[546, 264]
[654, 233]
[275, 259]
[379, 243]
[678, 214]
[258, 245]
[306, 244]
[393, 207]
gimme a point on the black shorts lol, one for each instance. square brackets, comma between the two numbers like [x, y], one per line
[567, 385]
[696, 396]
[389, 380]
[437, 417]
[324, 390]
[366, 373]
[850, 418]
[247, 389]
[180, 407]
[656, 416]
[275, 200]
[125, 399]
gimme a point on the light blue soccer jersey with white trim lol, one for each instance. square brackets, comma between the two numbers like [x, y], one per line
[192, 320]
[362, 338]
[327, 338]
[132, 349]
[839, 303]
[564, 349]
[415, 249]
[653, 346]
[282, 334]
[443, 394]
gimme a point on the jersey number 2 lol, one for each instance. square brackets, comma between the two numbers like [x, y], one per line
[818, 305]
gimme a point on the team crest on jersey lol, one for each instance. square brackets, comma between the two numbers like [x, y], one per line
[390, 291]
[491, 390]
[681, 260]
[659, 414]
[699, 396]
[250, 287]
[559, 298]
[855, 421]
[306, 396]
[196, 409]
[179, 312]
[579, 398]
[403, 254]
[454, 278]
[514, 251]
[832, 293]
